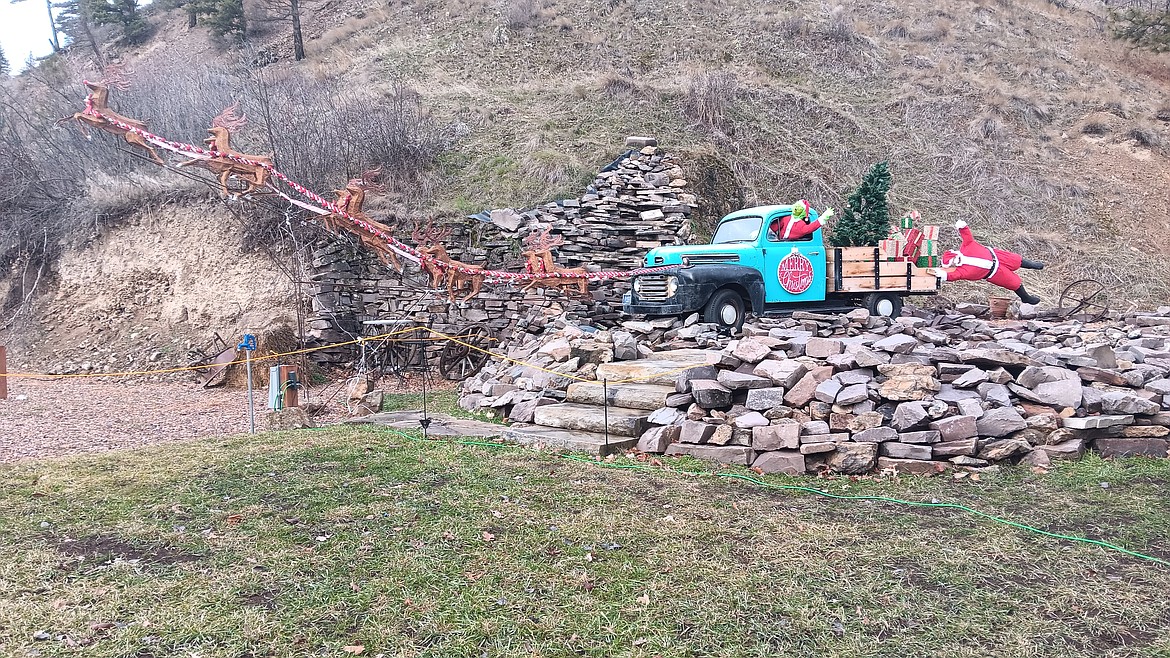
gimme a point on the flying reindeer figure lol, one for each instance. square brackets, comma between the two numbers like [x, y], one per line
[350, 200]
[427, 241]
[253, 173]
[98, 100]
[539, 261]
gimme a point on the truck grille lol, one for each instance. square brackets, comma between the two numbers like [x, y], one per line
[652, 288]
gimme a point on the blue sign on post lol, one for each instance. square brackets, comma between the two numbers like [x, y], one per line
[249, 346]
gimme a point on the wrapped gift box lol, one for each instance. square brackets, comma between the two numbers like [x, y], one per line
[890, 249]
[913, 242]
[909, 219]
[930, 232]
[928, 261]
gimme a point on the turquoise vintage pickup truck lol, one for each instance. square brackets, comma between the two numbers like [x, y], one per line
[749, 267]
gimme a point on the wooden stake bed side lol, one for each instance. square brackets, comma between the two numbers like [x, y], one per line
[861, 269]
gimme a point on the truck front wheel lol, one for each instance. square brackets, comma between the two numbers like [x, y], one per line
[883, 304]
[726, 309]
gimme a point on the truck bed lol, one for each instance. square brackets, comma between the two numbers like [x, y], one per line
[861, 269]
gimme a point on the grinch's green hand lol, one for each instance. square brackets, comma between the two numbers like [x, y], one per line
[826, 215]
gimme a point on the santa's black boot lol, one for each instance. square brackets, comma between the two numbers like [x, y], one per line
[1029, 264]
[1025, 297]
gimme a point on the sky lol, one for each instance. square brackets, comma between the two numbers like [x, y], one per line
[24, 30]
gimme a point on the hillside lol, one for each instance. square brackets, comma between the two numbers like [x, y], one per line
[1024, 118]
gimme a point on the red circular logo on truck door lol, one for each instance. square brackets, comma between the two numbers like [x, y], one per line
[795, 273]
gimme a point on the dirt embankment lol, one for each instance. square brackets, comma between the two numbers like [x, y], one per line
[151, 293]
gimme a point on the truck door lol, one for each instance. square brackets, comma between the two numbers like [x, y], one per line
[794, 271]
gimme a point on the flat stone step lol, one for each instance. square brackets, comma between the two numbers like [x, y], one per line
[691, 355]
[590, 418]
[441, 424]
[663, 369]
[628, 396]
[551, 437]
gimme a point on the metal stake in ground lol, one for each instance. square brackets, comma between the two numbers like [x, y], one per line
[3, 372]
[249, 346]
[605, 411]
[425, 421]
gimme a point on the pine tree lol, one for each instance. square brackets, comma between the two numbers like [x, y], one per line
[75, 20]
[5, 69]
[866, 217]
[228, 19]
[125, 14]
[1147, 29]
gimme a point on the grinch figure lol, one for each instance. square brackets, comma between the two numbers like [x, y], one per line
[975, 262]
[798, 225]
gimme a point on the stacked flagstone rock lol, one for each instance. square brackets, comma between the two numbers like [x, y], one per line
[636, 203]
[854, 394]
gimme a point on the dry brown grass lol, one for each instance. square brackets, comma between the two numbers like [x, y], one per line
[711, 98]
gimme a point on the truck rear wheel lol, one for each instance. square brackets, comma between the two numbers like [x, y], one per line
[725, 308]
[884, 304]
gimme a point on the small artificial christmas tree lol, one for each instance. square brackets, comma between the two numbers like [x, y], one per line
[866, 218]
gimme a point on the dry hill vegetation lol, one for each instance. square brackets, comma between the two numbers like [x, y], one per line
[1022, 116]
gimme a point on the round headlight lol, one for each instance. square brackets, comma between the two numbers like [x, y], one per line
[638, 285]
[671, 285]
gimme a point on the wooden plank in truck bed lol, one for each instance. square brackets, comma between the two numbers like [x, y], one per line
[868, 254]
[921, 283]
[885, 267]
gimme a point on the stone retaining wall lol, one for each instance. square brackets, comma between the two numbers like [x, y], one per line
[853, 394]
[637, 203]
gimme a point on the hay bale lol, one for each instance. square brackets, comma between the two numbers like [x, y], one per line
[279, 339]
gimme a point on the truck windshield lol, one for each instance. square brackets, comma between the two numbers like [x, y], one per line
[740, 229]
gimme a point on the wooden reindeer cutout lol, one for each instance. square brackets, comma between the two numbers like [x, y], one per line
[539, 261]
[252, 173]
[99, 100]
[350, 200]
[427, 241]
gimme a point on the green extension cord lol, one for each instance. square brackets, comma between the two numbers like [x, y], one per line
[818, 492]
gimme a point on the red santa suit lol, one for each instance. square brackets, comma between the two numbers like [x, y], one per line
[975, 262]
[798, 226]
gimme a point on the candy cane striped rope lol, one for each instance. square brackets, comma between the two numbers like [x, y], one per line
[325, 207]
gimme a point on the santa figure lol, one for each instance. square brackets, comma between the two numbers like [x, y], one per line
[797, 226]
[974, 262]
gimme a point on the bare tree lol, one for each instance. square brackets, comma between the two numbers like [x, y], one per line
[287, 12]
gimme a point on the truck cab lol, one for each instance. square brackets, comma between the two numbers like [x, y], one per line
[749, 266]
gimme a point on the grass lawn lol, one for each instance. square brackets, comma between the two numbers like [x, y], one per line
[309, 543]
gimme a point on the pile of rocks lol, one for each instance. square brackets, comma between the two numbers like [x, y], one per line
[638, 202]
[852, 394]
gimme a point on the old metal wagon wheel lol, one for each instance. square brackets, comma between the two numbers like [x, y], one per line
[463, 357]
[1085, 299]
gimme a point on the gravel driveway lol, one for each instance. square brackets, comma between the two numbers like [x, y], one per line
[65, 417]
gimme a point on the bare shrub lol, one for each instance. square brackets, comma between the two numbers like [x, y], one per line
[1162, 113]
[989, 128]
[936, 31]
[521, 14]
[896, 30]
[1116, 108]
[718, 189]
[792, 27]
[619, 86]
[1146, 137]
[710, 98]
[1096, 128]
[840, 27]
[1031, 112]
